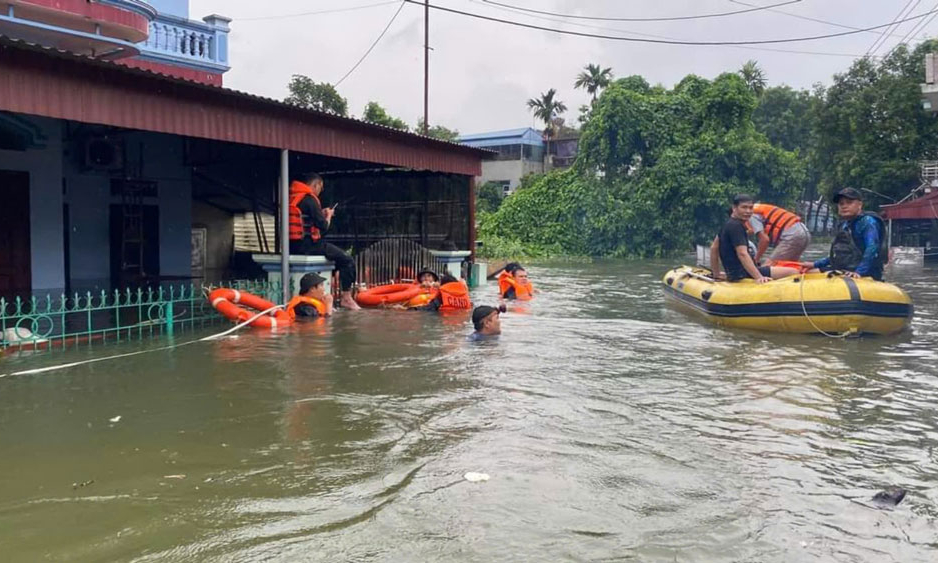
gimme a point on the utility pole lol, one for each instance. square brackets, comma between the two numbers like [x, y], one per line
[426, 65]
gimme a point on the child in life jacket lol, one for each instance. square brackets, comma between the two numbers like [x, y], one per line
[452, 295]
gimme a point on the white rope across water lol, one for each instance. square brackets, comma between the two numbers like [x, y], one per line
[141, 352]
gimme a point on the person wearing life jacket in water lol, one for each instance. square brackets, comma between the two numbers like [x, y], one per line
[453, 295]
[731, 247]
[313, 301]
[781, 228]
[518, 286]
[859, 248]
[428, 279]
[308, 222]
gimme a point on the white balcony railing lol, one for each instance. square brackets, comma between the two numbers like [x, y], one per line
[188, 41]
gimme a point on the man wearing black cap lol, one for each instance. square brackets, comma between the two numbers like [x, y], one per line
[486, 321]
[313, 301]
[858, 249]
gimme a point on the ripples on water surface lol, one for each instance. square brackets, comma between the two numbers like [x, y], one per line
[613, 428]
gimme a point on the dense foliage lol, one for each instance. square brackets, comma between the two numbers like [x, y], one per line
[655, 171]
[438, 132]
[376, 114]
[319, 96]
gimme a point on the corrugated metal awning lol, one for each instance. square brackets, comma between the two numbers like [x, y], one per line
[40, 81]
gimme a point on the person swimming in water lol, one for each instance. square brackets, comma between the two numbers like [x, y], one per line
[487, 322]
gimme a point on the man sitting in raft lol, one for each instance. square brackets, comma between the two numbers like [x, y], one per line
[313, 301]
[453, 295]
[781, 228]
[859, 249]
[486, 322]
[308, 222]
[731, 247]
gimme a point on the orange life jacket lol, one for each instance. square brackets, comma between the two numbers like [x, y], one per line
[298, 192]
[455, 297]
[424, 297]
[503, 282]
[523, 291]
[300, 300]
[775, 219]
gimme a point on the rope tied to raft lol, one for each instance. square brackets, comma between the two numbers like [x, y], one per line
[141, 352]
[804, 309]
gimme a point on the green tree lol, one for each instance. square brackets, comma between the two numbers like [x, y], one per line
[489, 197]
[593, 79]
[438, 132]
[754, 77]
[784, 116]
[869, 126]
[655, 173]
[376, 114]
[546, 108]
[319, 96]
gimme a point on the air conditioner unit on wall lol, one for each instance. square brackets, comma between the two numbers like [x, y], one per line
[102, 153]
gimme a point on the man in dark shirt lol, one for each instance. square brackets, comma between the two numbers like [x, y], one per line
[731, 247]
[486, 322]
[312, 214]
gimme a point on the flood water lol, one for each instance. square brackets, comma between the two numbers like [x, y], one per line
[612, 428]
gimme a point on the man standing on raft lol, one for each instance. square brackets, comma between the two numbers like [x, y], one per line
[732, 248]
[308, 222]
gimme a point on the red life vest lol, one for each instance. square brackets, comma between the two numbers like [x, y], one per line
[298, 192]
[775, 219]
[455, 297]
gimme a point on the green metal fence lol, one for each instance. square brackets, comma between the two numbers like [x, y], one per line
[90, 319]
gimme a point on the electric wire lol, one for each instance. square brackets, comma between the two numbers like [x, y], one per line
[668, 41]
[317, 13]
[810, 19]
[620, 30]
[373, 45]
[882, 36]
[659, 19]
[912, 32]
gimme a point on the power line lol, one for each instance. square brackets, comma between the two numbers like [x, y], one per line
[810, 19]
[882, 36]
[666, 19]
[915, 29]
[332, 11]
[670, 41]
[370, 49]
[588, 26]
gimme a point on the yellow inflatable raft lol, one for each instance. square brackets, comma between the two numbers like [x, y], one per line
[800, 304]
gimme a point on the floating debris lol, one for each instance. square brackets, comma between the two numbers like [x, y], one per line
[474, 477]
[889, 497]
[174, 476]
[80, 485]
[116, 419]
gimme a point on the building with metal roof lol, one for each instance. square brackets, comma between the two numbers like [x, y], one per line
[518, 153]
[109, 172]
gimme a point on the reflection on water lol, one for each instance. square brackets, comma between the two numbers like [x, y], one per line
[611, 425]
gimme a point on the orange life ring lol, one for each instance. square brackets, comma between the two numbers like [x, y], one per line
[384, 294]
[227, 302]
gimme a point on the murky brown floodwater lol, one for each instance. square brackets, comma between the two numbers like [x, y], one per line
[613, 428]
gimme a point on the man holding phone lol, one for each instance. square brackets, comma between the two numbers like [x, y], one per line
[308, 222]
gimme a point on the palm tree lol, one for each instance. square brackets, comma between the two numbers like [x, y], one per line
[593, 79]
[754, 77]
[546, 108]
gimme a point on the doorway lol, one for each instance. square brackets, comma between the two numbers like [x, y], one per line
[15, 259]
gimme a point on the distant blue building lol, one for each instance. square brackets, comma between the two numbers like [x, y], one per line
[519, 152]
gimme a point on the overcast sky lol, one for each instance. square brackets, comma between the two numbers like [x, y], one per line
[482, 73]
